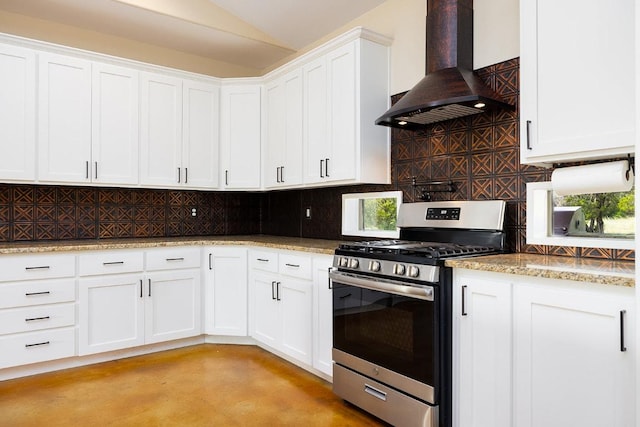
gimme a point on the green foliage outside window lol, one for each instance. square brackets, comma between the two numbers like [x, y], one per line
[601, 208]
[379, 214]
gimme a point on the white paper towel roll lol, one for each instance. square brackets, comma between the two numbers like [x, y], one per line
[609, 177]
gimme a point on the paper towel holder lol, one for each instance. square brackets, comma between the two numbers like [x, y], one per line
[632, 165]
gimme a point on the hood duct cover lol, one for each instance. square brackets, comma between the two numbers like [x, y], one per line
[450, 89]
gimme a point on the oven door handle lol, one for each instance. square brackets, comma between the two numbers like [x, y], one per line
[392, 287]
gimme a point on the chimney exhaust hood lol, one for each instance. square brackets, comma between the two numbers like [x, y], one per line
[450, 89]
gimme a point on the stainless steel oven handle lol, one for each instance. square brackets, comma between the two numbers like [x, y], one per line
[393, 287]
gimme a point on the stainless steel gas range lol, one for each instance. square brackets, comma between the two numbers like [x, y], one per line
[392, 309]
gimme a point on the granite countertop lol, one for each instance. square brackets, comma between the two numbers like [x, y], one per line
[620, 273]
[317, 246]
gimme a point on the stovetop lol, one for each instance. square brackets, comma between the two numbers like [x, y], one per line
[409, 248]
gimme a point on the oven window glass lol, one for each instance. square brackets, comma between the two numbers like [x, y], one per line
[395, 332]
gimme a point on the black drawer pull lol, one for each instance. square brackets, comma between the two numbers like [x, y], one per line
[29, 294]
[42, 267]
[37, 344]
[262, 260]
[464, 310]
[113, 263]
[293, 265]
[622, 346]
[33, 319]
[175, 259]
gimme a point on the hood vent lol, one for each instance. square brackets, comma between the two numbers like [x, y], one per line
[450, 89]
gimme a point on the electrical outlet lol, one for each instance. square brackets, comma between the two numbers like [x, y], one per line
[307, 213]
[194, 212]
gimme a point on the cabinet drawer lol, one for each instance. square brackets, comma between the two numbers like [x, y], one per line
[115, 262]
[173, 259]
[295, 266]
[36, 293]
[28, 267]
[32, 347]
[263, 260]
[28, 319]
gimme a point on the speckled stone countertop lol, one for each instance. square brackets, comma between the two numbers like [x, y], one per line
[317, 246]
[620, 273]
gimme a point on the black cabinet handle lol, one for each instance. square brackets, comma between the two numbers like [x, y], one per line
[86, 169]
[140, 288]
[33, 319]
[277, 291]
[149, 287]
[37, 344]
[186, 175]
[174, 259]
[29, 294]
[326, 168]
[329, 277]
[113, 263]
[293, 265]
[464, 311]
[273, 290]
[226, 177]
[622, 346]
[178, 175]
[210, 266]
[278, 174]
[281, 173]
[528, 134]
[42, 267]
[95, 172]
[321, 168]
[262, 260]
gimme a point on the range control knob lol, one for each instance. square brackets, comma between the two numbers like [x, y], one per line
[344, 262]
[353, 263]
[374, 266]
[399, 269]
[413, 271]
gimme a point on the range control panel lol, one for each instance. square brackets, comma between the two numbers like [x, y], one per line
[452, 214]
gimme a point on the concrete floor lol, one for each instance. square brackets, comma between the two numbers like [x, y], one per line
[203, 385]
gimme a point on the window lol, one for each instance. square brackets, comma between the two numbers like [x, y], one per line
[371, 214]
[602, 220]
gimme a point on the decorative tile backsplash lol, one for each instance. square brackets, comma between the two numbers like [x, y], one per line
[480, 154]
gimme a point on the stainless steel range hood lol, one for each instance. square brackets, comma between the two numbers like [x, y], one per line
[450, 89]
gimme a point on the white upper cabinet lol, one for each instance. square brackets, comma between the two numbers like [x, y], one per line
[345, 90]
[64, 115]
[17, 113]
[114, 145]
[240, 136]
[200, 134]
[283, 123]
[577, 80]
[160, 130]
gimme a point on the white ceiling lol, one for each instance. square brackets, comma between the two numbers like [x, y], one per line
[248, 33]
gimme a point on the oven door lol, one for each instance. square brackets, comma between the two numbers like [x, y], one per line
[387, 330]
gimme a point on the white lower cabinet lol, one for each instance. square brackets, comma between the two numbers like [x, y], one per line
[281, 302]
[322, 315]
[225, 291]
[140, 307]
[37, 308]
[533, 352]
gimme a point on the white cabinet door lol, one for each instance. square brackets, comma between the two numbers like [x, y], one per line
[160, 130]
[295, 298]
[482, 315]
[200, 135]
[284, 131]
[577, 79]
[569, 365]
[114, 147]
[316, 132]
[343, 102]
[64, 119]
[240, 136]
[265, 310]
[111, 313]
[226, 292]
[17, 113]
[322, 315]
[172, 305]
